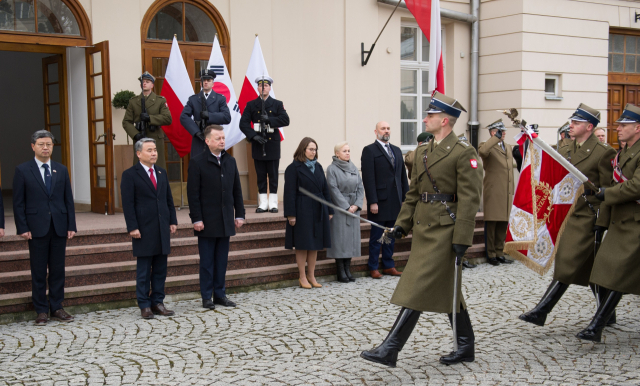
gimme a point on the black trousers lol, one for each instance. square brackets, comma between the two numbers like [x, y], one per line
[214, 255]
[47, 252]
[264, 169]
[151, 274]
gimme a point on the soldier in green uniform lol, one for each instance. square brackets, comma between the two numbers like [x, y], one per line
[616, 269]
[423, 137]
[575, 250]
[440, 208]
[157, 115]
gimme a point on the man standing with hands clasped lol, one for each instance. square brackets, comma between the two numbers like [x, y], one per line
[151, 217]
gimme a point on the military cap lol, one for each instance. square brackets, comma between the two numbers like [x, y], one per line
[631, 114]
[146, 75]
[207, 74]
[497, 125]
[424, 137]
[441, 103]
[265, 79]
[585, 113]
[564, 128]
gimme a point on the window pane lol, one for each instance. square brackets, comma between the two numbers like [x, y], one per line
[408, 81]
[610, 63]
[96, 61]
[425, 48]
[199, 66]
[630, 63]
[408, 105]
[618, 61]
[198, 27]
[54, 114]
[631, 45]
[618, 43]
[101, 177]
[409, 133]
[425, 105]
[54, 17]
[166, 23]
[425, 82]
[52, 72]
[21, 12]
[408, 44]
[550, 86]
[54, 93]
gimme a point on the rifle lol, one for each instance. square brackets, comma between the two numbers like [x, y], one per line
[141, 126]
[263, 125]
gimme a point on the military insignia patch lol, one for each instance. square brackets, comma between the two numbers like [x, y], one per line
[474, 163]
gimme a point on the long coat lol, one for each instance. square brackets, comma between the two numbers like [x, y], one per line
[218, 114]
[160, 115]
[345, 188]
[148, 210]
[215, 194]
[616, 266]
[574, 254]
[311, 232]
[427, 281]
[497, 185]
[278, 117]
[384, 184]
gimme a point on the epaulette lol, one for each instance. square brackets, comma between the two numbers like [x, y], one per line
[463, 143]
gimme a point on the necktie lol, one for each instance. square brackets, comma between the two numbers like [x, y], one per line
[502, 145]
[47, 178]
[206, 96]
[391, 154]
[153, 179]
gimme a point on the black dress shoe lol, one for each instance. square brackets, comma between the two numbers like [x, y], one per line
[208, 303]
[224, 302]
[260, 210]
[503, 260]
[467, 264]
[273, 210]
[493, 261]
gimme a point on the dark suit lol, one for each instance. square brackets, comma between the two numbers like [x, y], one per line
[150, 211]
[218, 114]
[385, 183]
[1, 211]
[48, 216]
[215, 198]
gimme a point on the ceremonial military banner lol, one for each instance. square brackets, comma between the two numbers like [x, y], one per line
[544, 198]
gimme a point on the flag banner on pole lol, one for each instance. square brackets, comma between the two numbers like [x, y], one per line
[427, 14]
[544, 199]
[257, 68]
[177, 89]
[222, 85]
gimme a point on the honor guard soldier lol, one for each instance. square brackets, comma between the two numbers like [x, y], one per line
[498, 189]
[440, 208]
[203, 109]
[584, 228]
[563, 135]
[145, 115]
[260, 123]
[616, 270]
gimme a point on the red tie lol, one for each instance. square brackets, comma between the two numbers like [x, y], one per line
[153, 179]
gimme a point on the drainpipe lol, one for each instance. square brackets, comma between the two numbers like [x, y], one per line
[474, 124]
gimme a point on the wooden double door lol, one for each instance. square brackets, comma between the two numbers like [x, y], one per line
[618, 97]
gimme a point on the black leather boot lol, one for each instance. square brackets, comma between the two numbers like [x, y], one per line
[342, 277]
[347, 270]
[601, 294]
[466, 340]
[607, 307]
[539, 314]
[387, 352]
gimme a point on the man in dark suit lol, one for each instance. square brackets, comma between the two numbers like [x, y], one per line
[216, 209]
[1, 215]
[216, 112]
[265, 146]
[151, 217]
[385, 185]
[45, 216]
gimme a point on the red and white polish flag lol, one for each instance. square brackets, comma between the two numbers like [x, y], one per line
[427, 14]
[223, 86]
[257, 68]
[177, 89]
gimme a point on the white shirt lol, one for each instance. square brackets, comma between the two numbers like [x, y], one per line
[206, 94]
[42, 169]
[146, 169]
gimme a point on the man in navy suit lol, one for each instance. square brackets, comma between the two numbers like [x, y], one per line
[216, 112]
[385, 185]
[45, 216]
[148, 209]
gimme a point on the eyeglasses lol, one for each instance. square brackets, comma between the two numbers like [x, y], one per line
[45, 145]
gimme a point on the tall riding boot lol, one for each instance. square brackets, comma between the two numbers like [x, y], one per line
[466, 340]
[387, 352]
[538, 315]
[601, 294]
[347, 269]
[342, 277]
[607, 307]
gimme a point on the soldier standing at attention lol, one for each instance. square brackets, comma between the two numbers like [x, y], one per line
[445, 184]
[265, 146]
[157, 114]
[497, 188]
[575, 249]
[616, 265]
[422, 139]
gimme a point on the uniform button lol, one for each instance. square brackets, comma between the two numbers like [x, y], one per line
[418, 222]
[429, 224]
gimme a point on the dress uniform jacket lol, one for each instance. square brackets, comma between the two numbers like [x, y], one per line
[218, 115]
[408, 161]
[160, 115]
[278, 117]
[616, 266]
[427, 281]
[575, 253]
[497, 185]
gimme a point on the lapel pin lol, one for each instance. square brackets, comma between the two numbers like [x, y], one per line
[448, 147]
[159, 172]
[55, 171]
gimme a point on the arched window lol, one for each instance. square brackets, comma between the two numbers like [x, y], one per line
[41, 16]
[185, 20]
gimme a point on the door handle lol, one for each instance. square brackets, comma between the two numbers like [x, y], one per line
[100, 136]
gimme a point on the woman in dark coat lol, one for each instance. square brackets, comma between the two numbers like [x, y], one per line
[308, 226]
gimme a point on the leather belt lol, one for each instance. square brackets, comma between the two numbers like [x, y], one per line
[426, 197]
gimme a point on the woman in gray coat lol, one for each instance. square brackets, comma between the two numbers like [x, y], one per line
[347, 191]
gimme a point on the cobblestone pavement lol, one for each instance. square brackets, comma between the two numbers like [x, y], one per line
[295, 336]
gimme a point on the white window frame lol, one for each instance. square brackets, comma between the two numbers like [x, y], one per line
[555, 95]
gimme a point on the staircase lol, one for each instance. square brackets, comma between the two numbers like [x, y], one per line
[100, 267]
